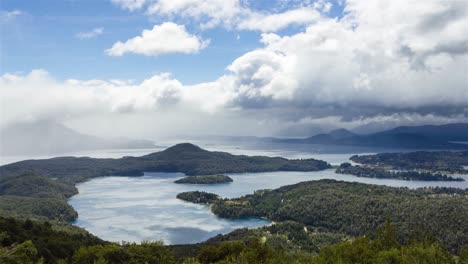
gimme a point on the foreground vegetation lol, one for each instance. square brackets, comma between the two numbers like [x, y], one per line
[384, 248]
[38, 243]
[36, 239]
[377, 172]
[356, 209]
[289, 235]
[205, 179]
[438, 161]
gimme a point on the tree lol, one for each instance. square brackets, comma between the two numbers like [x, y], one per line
[23, 253]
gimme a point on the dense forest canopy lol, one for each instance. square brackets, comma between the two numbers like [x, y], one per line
[48, 241]
[323, 221]
[378, 172]
[436, 161]
[33, 242]
[356, 209]
[205, 179]
[31, 196]
[198, 197]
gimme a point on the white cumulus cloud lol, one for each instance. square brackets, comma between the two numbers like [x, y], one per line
[232, 14]
[380, 58]
[161, 39]
[277, 21]
[384, 61]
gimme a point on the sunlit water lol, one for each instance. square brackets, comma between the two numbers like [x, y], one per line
[146, 208]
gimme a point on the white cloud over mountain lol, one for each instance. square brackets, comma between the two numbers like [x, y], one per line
[377, 58]
[383, 60]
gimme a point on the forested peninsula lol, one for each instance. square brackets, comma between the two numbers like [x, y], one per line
[356, 209]
[186, 158]
[433, 161]
[381, 173]
[40, 188]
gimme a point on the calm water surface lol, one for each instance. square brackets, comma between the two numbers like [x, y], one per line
[145, 208]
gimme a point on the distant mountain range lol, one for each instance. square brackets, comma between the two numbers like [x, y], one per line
[425, 137]
[48, 138]
[404, 137]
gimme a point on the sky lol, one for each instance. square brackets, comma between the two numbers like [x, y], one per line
[161, 68]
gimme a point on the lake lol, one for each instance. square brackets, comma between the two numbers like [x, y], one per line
[145, 208]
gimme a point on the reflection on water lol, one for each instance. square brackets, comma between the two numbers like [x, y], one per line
[145, 208]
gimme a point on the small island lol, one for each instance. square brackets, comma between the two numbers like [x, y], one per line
[205, 179]
[377, 172]
[198, 197]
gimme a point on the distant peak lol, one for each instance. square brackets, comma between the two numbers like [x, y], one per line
[341, 133]
[184, 147]
[180, 151]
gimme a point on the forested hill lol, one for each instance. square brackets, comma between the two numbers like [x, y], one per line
[39, 188]
[186, 158]
[435, 161]
[357, 209]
